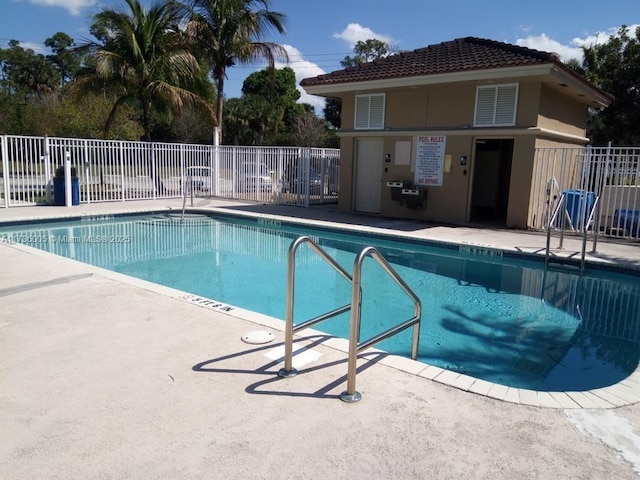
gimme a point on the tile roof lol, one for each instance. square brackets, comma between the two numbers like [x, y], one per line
[460, 55]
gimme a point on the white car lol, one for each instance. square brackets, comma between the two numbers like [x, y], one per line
[254, 176]
[201, 178]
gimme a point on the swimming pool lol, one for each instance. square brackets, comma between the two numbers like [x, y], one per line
[504, 320]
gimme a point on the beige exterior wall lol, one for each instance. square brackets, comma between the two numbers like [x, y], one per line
[449, 111]
[562, 114]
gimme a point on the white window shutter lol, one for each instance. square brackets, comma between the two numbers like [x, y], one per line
[362, 112]
[485, 106]
[507, 99]
[496, 106]
[369, 113]
[376, 112]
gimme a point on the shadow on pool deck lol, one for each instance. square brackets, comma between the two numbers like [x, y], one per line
[105, 376]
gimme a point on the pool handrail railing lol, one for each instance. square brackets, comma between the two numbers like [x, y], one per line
[355, 345]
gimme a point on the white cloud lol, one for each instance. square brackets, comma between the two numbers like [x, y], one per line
[355, 32]
[574, 49]
[303, 69]
[74, 6]
[36, 47]
[546, 44]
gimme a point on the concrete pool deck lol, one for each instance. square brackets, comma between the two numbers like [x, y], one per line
[104, 376]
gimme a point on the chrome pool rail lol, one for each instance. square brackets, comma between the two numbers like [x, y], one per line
[355, 345]
[288, 370]
[188, 184]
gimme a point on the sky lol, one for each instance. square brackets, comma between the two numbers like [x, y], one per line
[320, 33]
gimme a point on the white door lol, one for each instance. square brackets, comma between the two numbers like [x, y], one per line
[369, 158]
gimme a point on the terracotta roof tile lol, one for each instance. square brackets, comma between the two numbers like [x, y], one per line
[462, 54]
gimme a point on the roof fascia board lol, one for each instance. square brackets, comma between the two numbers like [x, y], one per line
[443, 78]
[582, 88]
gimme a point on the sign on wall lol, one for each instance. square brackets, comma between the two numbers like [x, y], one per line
[429, 160]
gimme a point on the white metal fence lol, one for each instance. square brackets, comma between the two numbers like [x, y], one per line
[110, 170]
[599, 189]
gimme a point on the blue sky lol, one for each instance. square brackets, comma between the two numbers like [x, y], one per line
[321, 33]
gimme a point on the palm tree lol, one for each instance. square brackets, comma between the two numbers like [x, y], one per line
[141, 59]
[232, 31]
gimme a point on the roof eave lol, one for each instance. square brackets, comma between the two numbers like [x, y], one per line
[433, 79]
[592, 95]
[588, 93]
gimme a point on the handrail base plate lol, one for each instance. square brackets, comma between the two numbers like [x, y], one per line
[349, 398]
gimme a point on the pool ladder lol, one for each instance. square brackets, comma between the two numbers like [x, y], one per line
[561, 216]
[188, 186]
[355, 345]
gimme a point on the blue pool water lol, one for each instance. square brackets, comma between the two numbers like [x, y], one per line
[504, 320]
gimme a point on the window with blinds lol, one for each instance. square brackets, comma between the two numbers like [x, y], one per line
[369, 112]
[496, 105]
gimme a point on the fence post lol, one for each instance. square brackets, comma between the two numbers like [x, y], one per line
[5, 169]
[67, 178]
[157, 182]
[121, 171]
[87, 171]
[47, 171]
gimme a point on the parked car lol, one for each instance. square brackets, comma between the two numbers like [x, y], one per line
[253, 176]
[201, 178]
[295, 180]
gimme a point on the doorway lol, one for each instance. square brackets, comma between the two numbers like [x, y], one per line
[368, 175]
[491, 179]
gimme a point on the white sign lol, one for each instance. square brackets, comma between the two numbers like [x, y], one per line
[429, 160]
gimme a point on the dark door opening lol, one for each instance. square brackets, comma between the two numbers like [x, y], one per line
[491, 177]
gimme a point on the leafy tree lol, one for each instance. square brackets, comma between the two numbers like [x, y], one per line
[365, 51]
[25, 73]
[65, 59]
[614, 67]
[141, 60]
[277, 106]
[236, 122]
[333, 112]
[233, 31]
[25, 79]
[368, 51]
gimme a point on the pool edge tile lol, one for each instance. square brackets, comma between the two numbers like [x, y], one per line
[447, 377]
[529, 397]
[565, 399]
[546, 400]
[405, 364]
[430, 372]
[481, 387]
[497, 391]
[512, 395]
[463, 382]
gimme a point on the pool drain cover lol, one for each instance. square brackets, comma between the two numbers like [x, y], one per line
[258, 337]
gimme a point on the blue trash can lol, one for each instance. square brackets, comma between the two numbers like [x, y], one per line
[579, 203]
[59, 190]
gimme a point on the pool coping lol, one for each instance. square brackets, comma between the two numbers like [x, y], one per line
[623, 393]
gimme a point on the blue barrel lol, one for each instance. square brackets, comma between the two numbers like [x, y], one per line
[579, 203]
[59, 191]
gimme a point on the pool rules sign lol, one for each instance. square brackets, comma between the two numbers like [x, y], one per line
[429, 160]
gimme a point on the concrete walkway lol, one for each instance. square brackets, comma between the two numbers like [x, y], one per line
[135, 381]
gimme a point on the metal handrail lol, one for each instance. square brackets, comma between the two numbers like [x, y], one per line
[549, 226]
[355, 346]
[586, 222]
[187, 184]
[288, 370]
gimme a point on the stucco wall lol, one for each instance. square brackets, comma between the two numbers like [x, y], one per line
[449, 110]
[560, 113]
